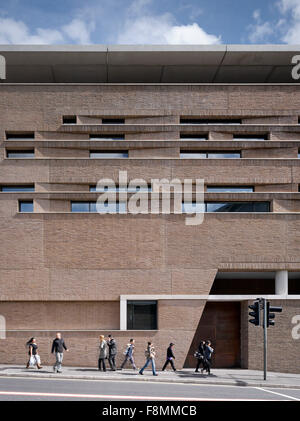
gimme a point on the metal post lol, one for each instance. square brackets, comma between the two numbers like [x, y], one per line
[265, 337]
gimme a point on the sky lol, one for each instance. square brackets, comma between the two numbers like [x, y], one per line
[150, 22]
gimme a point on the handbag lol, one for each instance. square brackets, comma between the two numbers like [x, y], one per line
[34, 360]
[198, 355]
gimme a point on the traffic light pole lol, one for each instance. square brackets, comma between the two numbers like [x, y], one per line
[265, 336]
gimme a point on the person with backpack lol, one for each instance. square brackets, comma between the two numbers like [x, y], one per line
[170, 358]
[150, 358]
[112, 352]
[102, 353]
[58, 347]
[34, 358]
[129, 354]
[199, 354]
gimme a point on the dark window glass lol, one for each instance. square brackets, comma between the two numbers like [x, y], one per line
[108, 154]
[25, 206]
[113, 120]
[192, 136]
[210, 121]
[69, 119]
[24, 188]
[250, 136]
[20, 154]
[142, 315]
[107, 137]
[229, 189]
[238, 207]
[20, 136]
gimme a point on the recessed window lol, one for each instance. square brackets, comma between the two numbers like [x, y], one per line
[251, 207]
[128, 189]
[193, 136]
[17, 188]
[113, 120]
[108, 154]
[210, 121]
[93, 207]
[20, 153]
[19, 136]
[25, 205]
[142, 315]
[107, 137]
[238, 207]
[250, 136]
[212, 155]
[229, 189]
[69, 119]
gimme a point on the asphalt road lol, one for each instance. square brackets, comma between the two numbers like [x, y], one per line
[20, 389]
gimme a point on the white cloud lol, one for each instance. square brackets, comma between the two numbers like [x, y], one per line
[79, 31]
[259, 31]
[292, 32]
[162, 30]
[17, 32]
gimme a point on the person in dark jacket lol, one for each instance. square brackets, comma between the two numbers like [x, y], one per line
[208, 350]
[170, 358]
[112, 352]
[58, 347]
[200, 357]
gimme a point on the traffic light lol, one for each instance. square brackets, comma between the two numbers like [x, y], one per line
[255, 313]
[270, 315]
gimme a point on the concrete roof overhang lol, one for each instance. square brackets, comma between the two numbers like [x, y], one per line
[149, 63]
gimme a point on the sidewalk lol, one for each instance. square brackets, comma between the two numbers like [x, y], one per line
[230, 377]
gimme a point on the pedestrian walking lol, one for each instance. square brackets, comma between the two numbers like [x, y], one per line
[58, 347]
[199, 354]
[103, 348]
[170, 358]
[112, 352]
[34, 358]
[150, 358]
[129, 354]
[208, 350]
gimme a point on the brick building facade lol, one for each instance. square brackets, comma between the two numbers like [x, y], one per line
[148, 276]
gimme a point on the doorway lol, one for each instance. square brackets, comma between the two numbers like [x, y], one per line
[221, 324]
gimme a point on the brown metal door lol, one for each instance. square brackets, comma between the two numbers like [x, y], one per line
[220, 323]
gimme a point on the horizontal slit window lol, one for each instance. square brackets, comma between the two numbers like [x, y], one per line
[113, 120]
[20, 153]
[212, 155]
[17, 188]
[108, 154]
[238, 207]
[251, 207]
[19, 136]
[128, 189]
[229, 189]
[193, 136]
[210, 121]
[107, 137]
[250, 137]
[93, 207]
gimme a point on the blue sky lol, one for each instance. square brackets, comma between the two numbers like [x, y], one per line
[150, 22]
